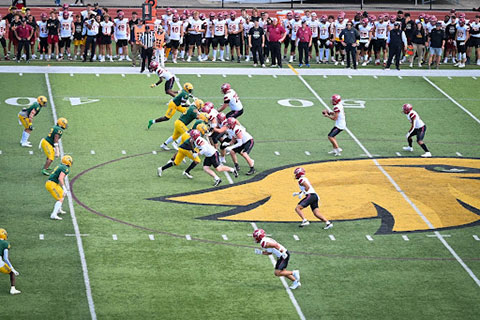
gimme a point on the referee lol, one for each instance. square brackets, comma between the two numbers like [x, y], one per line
[147, 39]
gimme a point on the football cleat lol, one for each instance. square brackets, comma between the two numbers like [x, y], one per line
[328, 226]
[14, 291]
[295, 285]
[150, 123]
[159, 171]
[331, 152]
[62, 211]
[164, 147]
[408, 149]
[250, 172]
[296, 274]
[27, 144]
[55, 217]
[45, 172]
[217, 182]
[235, 173]
[426, 155]
[188, 175]
[304, 223]
[174, 145]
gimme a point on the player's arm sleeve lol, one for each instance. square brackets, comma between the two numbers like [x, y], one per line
[5, 258]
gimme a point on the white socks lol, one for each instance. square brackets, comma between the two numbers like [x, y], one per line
[179, 140]
[214, 53]
[56, 208]
[221, 54]
[25, 136]
[168, 141]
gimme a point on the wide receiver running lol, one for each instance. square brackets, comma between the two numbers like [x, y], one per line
[281, 253]
[418, 128]
[163, 74]
[310, 199]
[337, 115]
[5, 264]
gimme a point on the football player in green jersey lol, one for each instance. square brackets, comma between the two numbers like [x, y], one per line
[5, 264]
[25, 118]
[178, 103]
[49, 144]
[57, 187]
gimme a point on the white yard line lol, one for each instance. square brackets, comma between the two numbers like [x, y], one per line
[154, 152]
[396, 186]
[296, 237]
[332, 237]
[41, 236]
[188, 237]
[151, 237]
[277, 153]
[224, 237]
[398, 154]
[458, 154]
[284, 282]
[230, 180]
[124, 152]
[369, 237]
[114, 237]
[307, 153]
[81, 252]
[451, 99]
[92, 151]
[405, 238]
[476, 237]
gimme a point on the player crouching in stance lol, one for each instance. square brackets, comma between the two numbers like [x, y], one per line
[418, 128]
[56, 185]
[273, 247]
[5, 264]
[211, 157]
[311, 199]
[163, 74]
[25, 118]
[243, 144]
[337, 115]
[178, 103]
[49, 144]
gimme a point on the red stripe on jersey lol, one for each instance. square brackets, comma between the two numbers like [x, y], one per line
[412, 116]
[263, 244]
[226, 100]
[237, 131]
[336, 109]
[300, 181]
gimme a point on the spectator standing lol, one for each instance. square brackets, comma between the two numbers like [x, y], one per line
[92, 31]
[462, 36]
[256, 42]
[9, 19]
[106, 47]
[349, 37]
[122, 35]
[475, 36]
[409, 28]
[24, 33]
[396, 41]
[31, 22]
[135, 47]
[276, 33]
[43, 35]
[418, 42]
[16, 22]
[66, 28]
[304, 42]
[3, 32]
[147, 39]
[437, 44]
[78, 38]
[53, 28]
[450, 32]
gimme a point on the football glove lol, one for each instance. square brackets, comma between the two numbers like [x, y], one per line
[15, 272]
[284, 255]
[258, 251]
[195, 155]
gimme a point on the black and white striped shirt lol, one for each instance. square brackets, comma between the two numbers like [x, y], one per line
[148, 39]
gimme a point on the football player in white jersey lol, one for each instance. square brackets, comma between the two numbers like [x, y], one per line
[66, 28]
[417, 128]
[176, 33]
[231, 99]
[462, 35]
[220, 35]
[286, 25]
[339, 25]
[106, 46]
[381, 29]
[195, 29]
[235, 33]
[212, 157]
[310, 199]
[282, 255]
[337, 115]
[475, 36]
[365, 30]
[324, 39]
[163, 74]
[314, 24]
[296, 24]
[122, 35]
[3, 32]
[242, 142]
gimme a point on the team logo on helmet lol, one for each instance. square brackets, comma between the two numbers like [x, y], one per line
[62, 122]
[188, 87]
[67, 160]
[42, 100]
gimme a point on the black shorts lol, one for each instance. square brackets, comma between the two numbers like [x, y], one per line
[234, 114]
[371, 44]
[212, 161]
[107, 39]
[234, 40]
[380, 44]
[224, 139]
[286, 41]
[461, 48]
[215, 137]
[310, 200]
[208, 42]
[218, 40]
[195, 40]
[362, 46]
[173, 44]
[339, 46]
[246, 147]
[282, 263]
[323, 43]
[292, 45]
[475, 42]
[122, 43]
[65, 42]
[99, 39]
[420, 133]
[334, 132]
[3, 42]
[169, 84]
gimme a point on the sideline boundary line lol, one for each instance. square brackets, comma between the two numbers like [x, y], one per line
[452, 100]
[81, 252]
[397, 187]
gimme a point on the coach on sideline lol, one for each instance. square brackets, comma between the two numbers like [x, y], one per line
[276, 34]
[395, 42]
[147, 39]
[350, 37]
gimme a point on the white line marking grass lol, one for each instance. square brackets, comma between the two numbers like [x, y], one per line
[451, 99]
[41, 236]
[439, 235]
[332, 237]
[277, 153]
[0, 151]
[199, 75]
[71, 74]
[154, 152]
[230, 180]
[114, 237]
[81, 252]
[148, 75]
[449, 78]
[188, 237]
[375, 77]
[296, 237]
[397, 187]
[123, 75]
[369, 237]
[30, 152]
[307, 153]
[325, 77]
[97, 74]
[459, 154]
[275, 76]
[151, 237]
[249, 75]
[474, 78]
[20, 74]
[285, 285]
[224, 236]
[74, 235]
[124, 152]
[400, 77]
[398, 154]
[349, 76]
[405, 238]
[476, 237]
[92, 151]
[224, 75]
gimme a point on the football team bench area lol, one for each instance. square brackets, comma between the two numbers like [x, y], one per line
[405, 236]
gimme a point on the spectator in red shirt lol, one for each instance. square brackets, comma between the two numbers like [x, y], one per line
[304, 42]
[276, 34]
[24, 33]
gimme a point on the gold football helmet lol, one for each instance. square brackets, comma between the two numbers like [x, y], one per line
[67, 160]
[62, 122]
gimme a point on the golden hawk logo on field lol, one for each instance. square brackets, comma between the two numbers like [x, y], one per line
[445, 190]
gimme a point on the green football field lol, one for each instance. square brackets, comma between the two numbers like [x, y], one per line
[405, 241]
